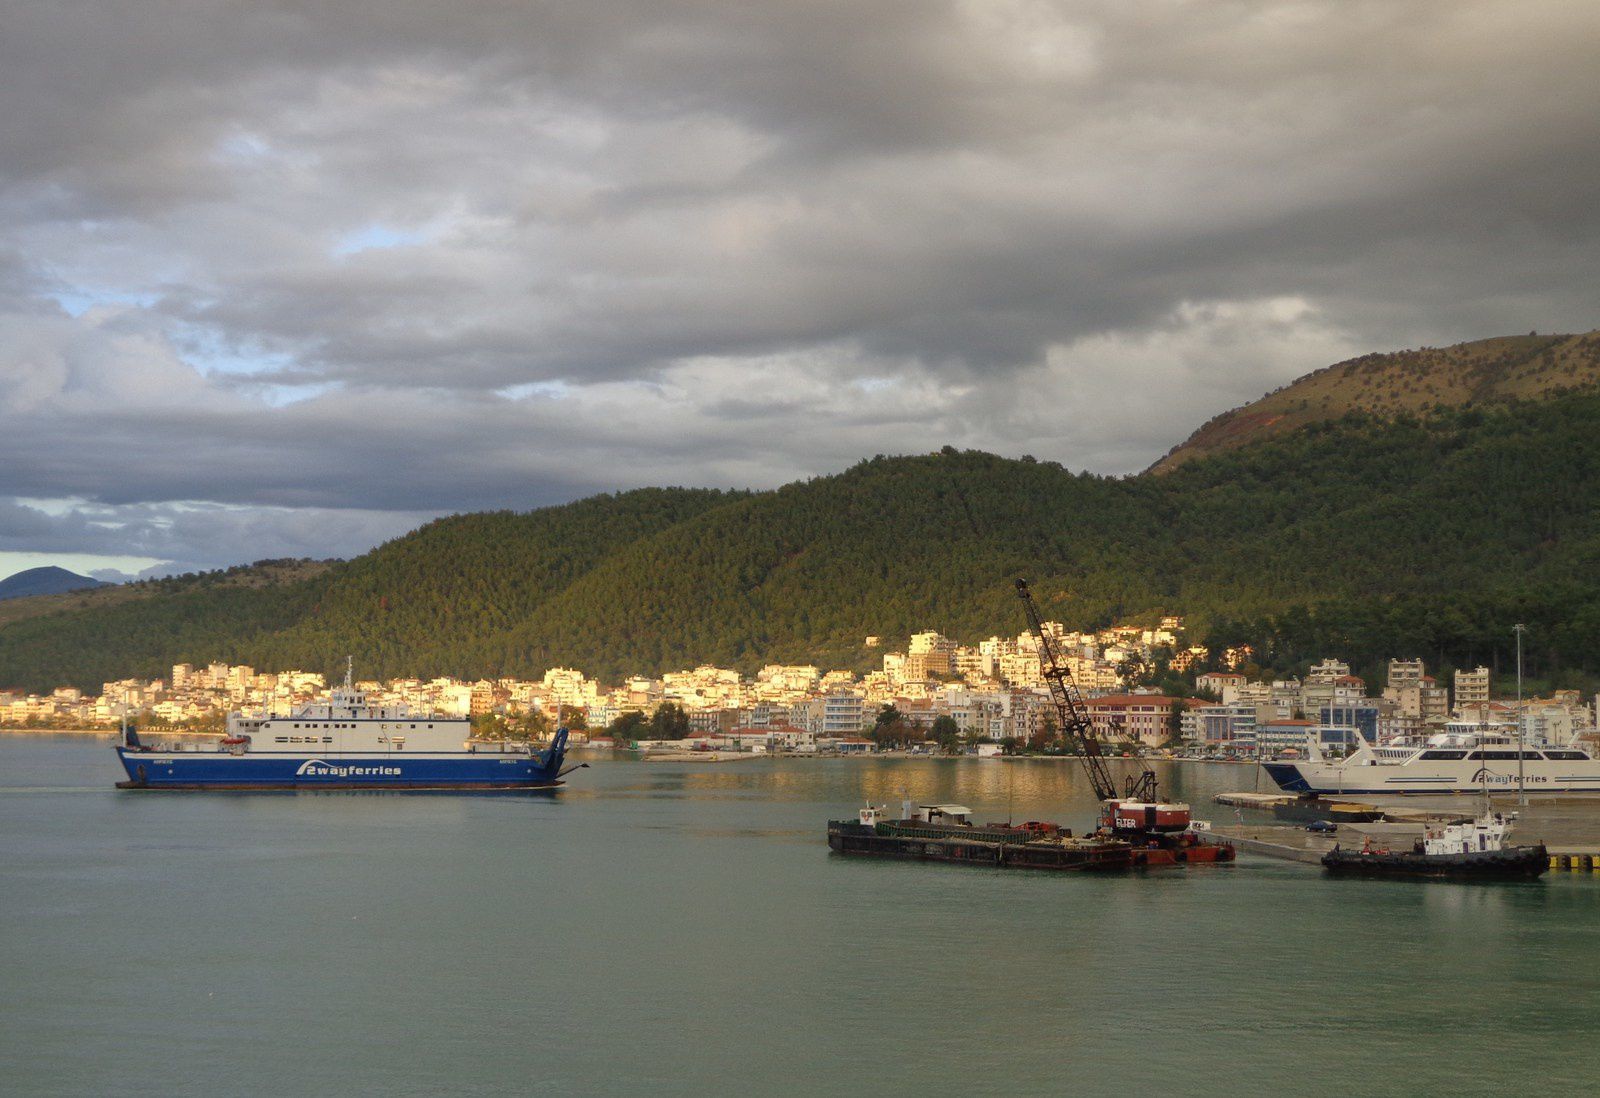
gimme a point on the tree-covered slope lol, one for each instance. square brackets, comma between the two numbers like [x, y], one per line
[423, 604]
[1368, 536]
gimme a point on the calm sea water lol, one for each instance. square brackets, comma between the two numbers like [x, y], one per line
[661, 928]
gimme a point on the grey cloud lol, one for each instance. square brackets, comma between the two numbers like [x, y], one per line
[744, 242]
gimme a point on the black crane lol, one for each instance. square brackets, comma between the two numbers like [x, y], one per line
[1075, 723]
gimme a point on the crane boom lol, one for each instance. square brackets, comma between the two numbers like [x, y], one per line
[1075, 724]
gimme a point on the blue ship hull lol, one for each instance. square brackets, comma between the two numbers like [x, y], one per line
[456, 771]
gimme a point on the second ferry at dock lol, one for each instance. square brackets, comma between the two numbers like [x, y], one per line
[344, 743]
[1467, 757]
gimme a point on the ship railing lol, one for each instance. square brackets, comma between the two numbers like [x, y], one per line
[504, 747]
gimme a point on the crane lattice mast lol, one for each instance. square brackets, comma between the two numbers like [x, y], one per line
[1075, 724]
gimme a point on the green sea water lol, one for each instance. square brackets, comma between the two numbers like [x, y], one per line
[679, 928]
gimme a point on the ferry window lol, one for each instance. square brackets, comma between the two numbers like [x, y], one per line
[327, 739]
[1444, 754]
[282, 739]
[1570, 756]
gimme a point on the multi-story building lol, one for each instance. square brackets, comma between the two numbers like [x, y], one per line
[1405, 673]
[1145, 718]
[1327, 671]
[1361, 717]
[1282, 734]
[937, 652]
[1021, 669]
[1224, 684]
[1222, 726]
[1472, 688]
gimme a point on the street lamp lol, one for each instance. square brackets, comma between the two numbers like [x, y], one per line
[1522, 788]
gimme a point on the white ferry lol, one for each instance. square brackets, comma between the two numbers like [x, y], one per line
[1465, 758]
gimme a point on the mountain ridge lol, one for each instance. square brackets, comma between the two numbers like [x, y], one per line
[1499, 370]
[1367, 535]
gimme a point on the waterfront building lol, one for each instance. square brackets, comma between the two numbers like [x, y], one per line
[1223, 726]
[1359, 717]
[1282, 734]
[1145, 718]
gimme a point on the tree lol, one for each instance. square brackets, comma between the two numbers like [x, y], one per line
[891, 729]
[946, 732]
[628, 727]
[488, 726]
[669, 722]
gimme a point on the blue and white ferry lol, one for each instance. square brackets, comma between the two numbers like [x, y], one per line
[344, 743]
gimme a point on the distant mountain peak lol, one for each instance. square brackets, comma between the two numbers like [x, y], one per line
[48, 580]
[1501, 370]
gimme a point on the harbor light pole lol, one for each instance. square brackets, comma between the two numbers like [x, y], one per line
[1522, 788]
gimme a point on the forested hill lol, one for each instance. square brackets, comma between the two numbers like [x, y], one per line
[1365, 536]
[1486, 372]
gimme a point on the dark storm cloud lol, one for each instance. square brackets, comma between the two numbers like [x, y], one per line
[266, 264]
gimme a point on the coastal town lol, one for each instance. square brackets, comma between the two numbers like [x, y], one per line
[935, 694]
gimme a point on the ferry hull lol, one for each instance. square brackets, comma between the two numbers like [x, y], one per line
[197, 771]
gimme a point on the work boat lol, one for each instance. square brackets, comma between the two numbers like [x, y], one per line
[1475, 849]
[1466, 758]
[344, 743]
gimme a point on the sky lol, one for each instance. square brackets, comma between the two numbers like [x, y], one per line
[291, 278]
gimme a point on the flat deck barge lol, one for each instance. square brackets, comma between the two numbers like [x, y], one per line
[943, 833]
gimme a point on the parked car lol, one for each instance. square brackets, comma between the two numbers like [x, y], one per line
[1322, 826]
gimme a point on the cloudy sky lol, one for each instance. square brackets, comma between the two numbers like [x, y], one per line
[288, 278]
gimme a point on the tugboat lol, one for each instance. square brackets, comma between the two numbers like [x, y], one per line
[1474, 850]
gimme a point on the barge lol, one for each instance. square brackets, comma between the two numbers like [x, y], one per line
[946, 833]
